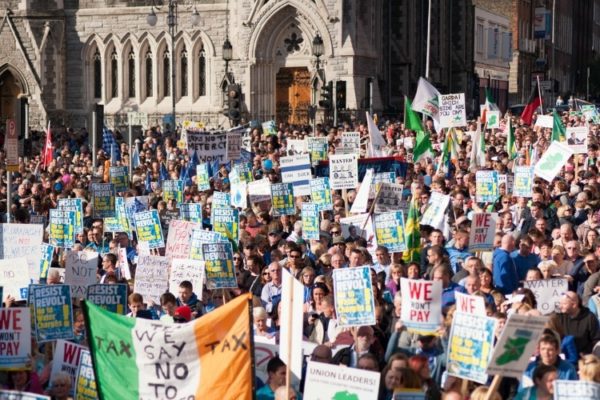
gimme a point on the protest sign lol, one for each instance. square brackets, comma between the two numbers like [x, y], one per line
[239, 196]
[516, 344]
[221, 200]
[295, 146]
[389, 230]
[378, 179]
[80, 271]
[119, 223]
[134, 205]
[185, 269]
[22, 240]
[62, 228]
[551, 162]
[152, 277]
[343, 171]
[73, 205]
[547, 293]
[390, 197]
[317, 148]
[470, 346]
[361, 200]
[296, 170]
[409, 394]
[15, 338]
[103, 199]
[52, 310]
[544, 121]
[353, 290]
[15, 277]
[523, 182]
[178, 238]
[483, 231]
[119, 177]
[436, 210]
[18, 395]
[290, 335]
[85, 381]
[110, 297]
[361, 225]
[269, 128]
[422, 312]
[123, 262]
[577, 138]
[350, 143]
[327, 381]
[234, 144]
[470, 304]
[320, 194]
[172, 189]
[260, 190]
[148, 228]
[47, 252]
[226, 221]
[244, 171]
[191, 212]
[486, 186]
[452, 110]
[67, 357]
[310, 221]
[200, 237]
[576, 390]
[209, 147]
[493, 119]
[282, 198]
[219, 269]
[202, 177]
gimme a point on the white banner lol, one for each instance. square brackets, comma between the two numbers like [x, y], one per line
[296, 170]
[548, 293]
[343, 171]
[452, 110]
[326, 381]
[80, 271]
[552, 161]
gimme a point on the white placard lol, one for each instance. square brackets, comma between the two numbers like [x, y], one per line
[453, 113]
[292, 297]
[327, 381]
[483, 231]
[470, 304]
[577, 139]
[555, 157]
[493, 119]
[343, 171]
[15, 337]
[544, 121]
[547, 293]
[436, 210]
[22, 240]
[297, 171]
[152, 277]
[14, 275]
[80, 271]
[576, 390]
[186, 270]
[362, 198]
[422, 305]
[178, 238]
[67, 357]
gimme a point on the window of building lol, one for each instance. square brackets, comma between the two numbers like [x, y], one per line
[131, 73]
[184, 72]
[149, 88]
[479, 37]
[202, 72]
[114, 74]
[166, 73]
[97, 75]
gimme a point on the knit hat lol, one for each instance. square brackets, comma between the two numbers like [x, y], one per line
[184, 312]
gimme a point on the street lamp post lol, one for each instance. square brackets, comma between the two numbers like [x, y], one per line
[172, 16]
[317, 51]
[227, 56]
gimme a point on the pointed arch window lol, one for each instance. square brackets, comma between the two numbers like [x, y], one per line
[149, 88]
[184, 72]
[202, 72]
[167, 73]
[97, 75]
[131, 71]
[114, 74]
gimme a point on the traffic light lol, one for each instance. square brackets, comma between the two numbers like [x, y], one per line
[326, 96]
[340, 94]
[234, 103]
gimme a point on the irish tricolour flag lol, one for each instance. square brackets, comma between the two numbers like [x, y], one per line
[209, 358]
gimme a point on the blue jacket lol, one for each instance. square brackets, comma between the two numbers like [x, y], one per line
[524, 264]
[457, 257]
[566, 370]
[504, 270]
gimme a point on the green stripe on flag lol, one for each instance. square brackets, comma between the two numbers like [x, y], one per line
[113, 352]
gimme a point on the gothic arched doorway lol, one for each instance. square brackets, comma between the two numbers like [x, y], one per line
[10, 89]
[293, 95]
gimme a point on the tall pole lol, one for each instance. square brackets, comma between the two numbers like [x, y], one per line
[587, 85]
[26, 123]
[371, 97]
[172, 22]
[129, 140]
[334, 102]
[553, 75]
[8, 195]
[428, 41]
[94, 143]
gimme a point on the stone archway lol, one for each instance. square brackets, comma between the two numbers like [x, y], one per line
[293, 95]
[10, 89]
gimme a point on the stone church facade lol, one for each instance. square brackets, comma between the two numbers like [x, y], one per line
[65, 56]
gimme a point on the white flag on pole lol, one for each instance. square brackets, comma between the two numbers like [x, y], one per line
[376, 140]
[426, 101]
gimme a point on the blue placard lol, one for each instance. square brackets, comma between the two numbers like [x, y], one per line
[226, 221]
[73, 205]
[173, 189]
[202, 177]
[53, 312]
[85, 382]
[486, 184]
[320, 194]
[310, 221]
[134, 205]
[148, 228]
[119, 223]
[45, 260]
[191, 212]
[389, 231]
[119, 177]
[282, 199]
[221, 200]
[103, 199]
[110, 297]
[220, 272]
[62, 228]
[354, 302]
[200, 237]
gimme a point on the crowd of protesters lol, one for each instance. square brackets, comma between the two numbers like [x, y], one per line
[555, 233]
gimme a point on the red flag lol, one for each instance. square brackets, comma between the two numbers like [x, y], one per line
[533, 103]
[47, 154]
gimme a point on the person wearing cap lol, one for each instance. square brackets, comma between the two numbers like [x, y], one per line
[274, 235]
[182, 315]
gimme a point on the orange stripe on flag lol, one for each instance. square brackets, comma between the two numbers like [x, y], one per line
[223, 339]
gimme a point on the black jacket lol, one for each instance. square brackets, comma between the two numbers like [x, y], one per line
[583, 327]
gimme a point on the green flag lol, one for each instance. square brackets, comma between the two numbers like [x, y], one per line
[511, 147]
[412, 235]
[423, 146]
[559, 132]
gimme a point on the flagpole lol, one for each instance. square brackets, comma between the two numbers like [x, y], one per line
[428, 41]
[540, 94]
[130, 152]
[288, 363]
[93, 143]
[8, 195]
